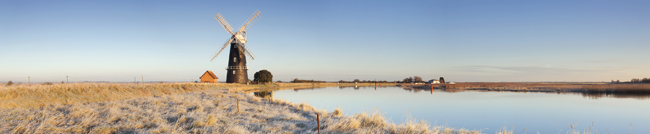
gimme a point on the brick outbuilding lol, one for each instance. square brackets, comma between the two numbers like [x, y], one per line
[208, 77]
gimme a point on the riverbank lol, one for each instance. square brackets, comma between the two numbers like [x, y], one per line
[607, 88]
[177, 108]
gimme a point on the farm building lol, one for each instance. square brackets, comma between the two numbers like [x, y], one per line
[208, 77]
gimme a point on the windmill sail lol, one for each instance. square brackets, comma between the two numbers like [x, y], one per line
[224, 47]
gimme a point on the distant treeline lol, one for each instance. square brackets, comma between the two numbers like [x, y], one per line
[644, 80]
[342, 81]
[306, 81]
[634, 80]
[365, 81]
[414, 79]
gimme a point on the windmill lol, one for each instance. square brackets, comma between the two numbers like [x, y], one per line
[237, 70]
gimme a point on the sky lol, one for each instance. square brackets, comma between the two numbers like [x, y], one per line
[463, 41]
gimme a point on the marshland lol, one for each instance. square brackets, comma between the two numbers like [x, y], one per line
[179, 108]
[292, 108]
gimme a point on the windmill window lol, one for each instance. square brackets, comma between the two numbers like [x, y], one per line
[234, 59]
[233, 72]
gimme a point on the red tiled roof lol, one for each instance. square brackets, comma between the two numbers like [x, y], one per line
[211, 74]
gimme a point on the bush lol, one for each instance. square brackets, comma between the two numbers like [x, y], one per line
[47, 83]
[263, 76]
[10, 83]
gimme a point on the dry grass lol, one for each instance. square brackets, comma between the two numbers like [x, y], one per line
[505, 130]
[39, 95]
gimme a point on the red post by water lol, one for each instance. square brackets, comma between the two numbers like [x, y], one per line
[318, 120]
[431, 89]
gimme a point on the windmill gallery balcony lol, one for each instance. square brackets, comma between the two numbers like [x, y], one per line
[236, 68]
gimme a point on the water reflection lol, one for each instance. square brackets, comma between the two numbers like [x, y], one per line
[591, 95]
[264, 94]
[344, 87]
[640, 96]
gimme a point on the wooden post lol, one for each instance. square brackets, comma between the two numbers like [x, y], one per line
[318, 122]
[237, 105]
[142, 79]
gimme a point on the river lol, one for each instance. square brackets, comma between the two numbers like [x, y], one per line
[487, 111]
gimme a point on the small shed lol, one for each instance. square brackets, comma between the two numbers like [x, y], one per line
[208, 77]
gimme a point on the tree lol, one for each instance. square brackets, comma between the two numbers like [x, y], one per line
[356, 80]
[645, 80]
[10, 83]
[408, 80]
[442, 80]
[417, 79]
[635, 80]
[263, 76]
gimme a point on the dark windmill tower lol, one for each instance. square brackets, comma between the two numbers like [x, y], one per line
[237, 70]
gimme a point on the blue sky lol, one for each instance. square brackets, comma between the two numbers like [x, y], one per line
[328, 40]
